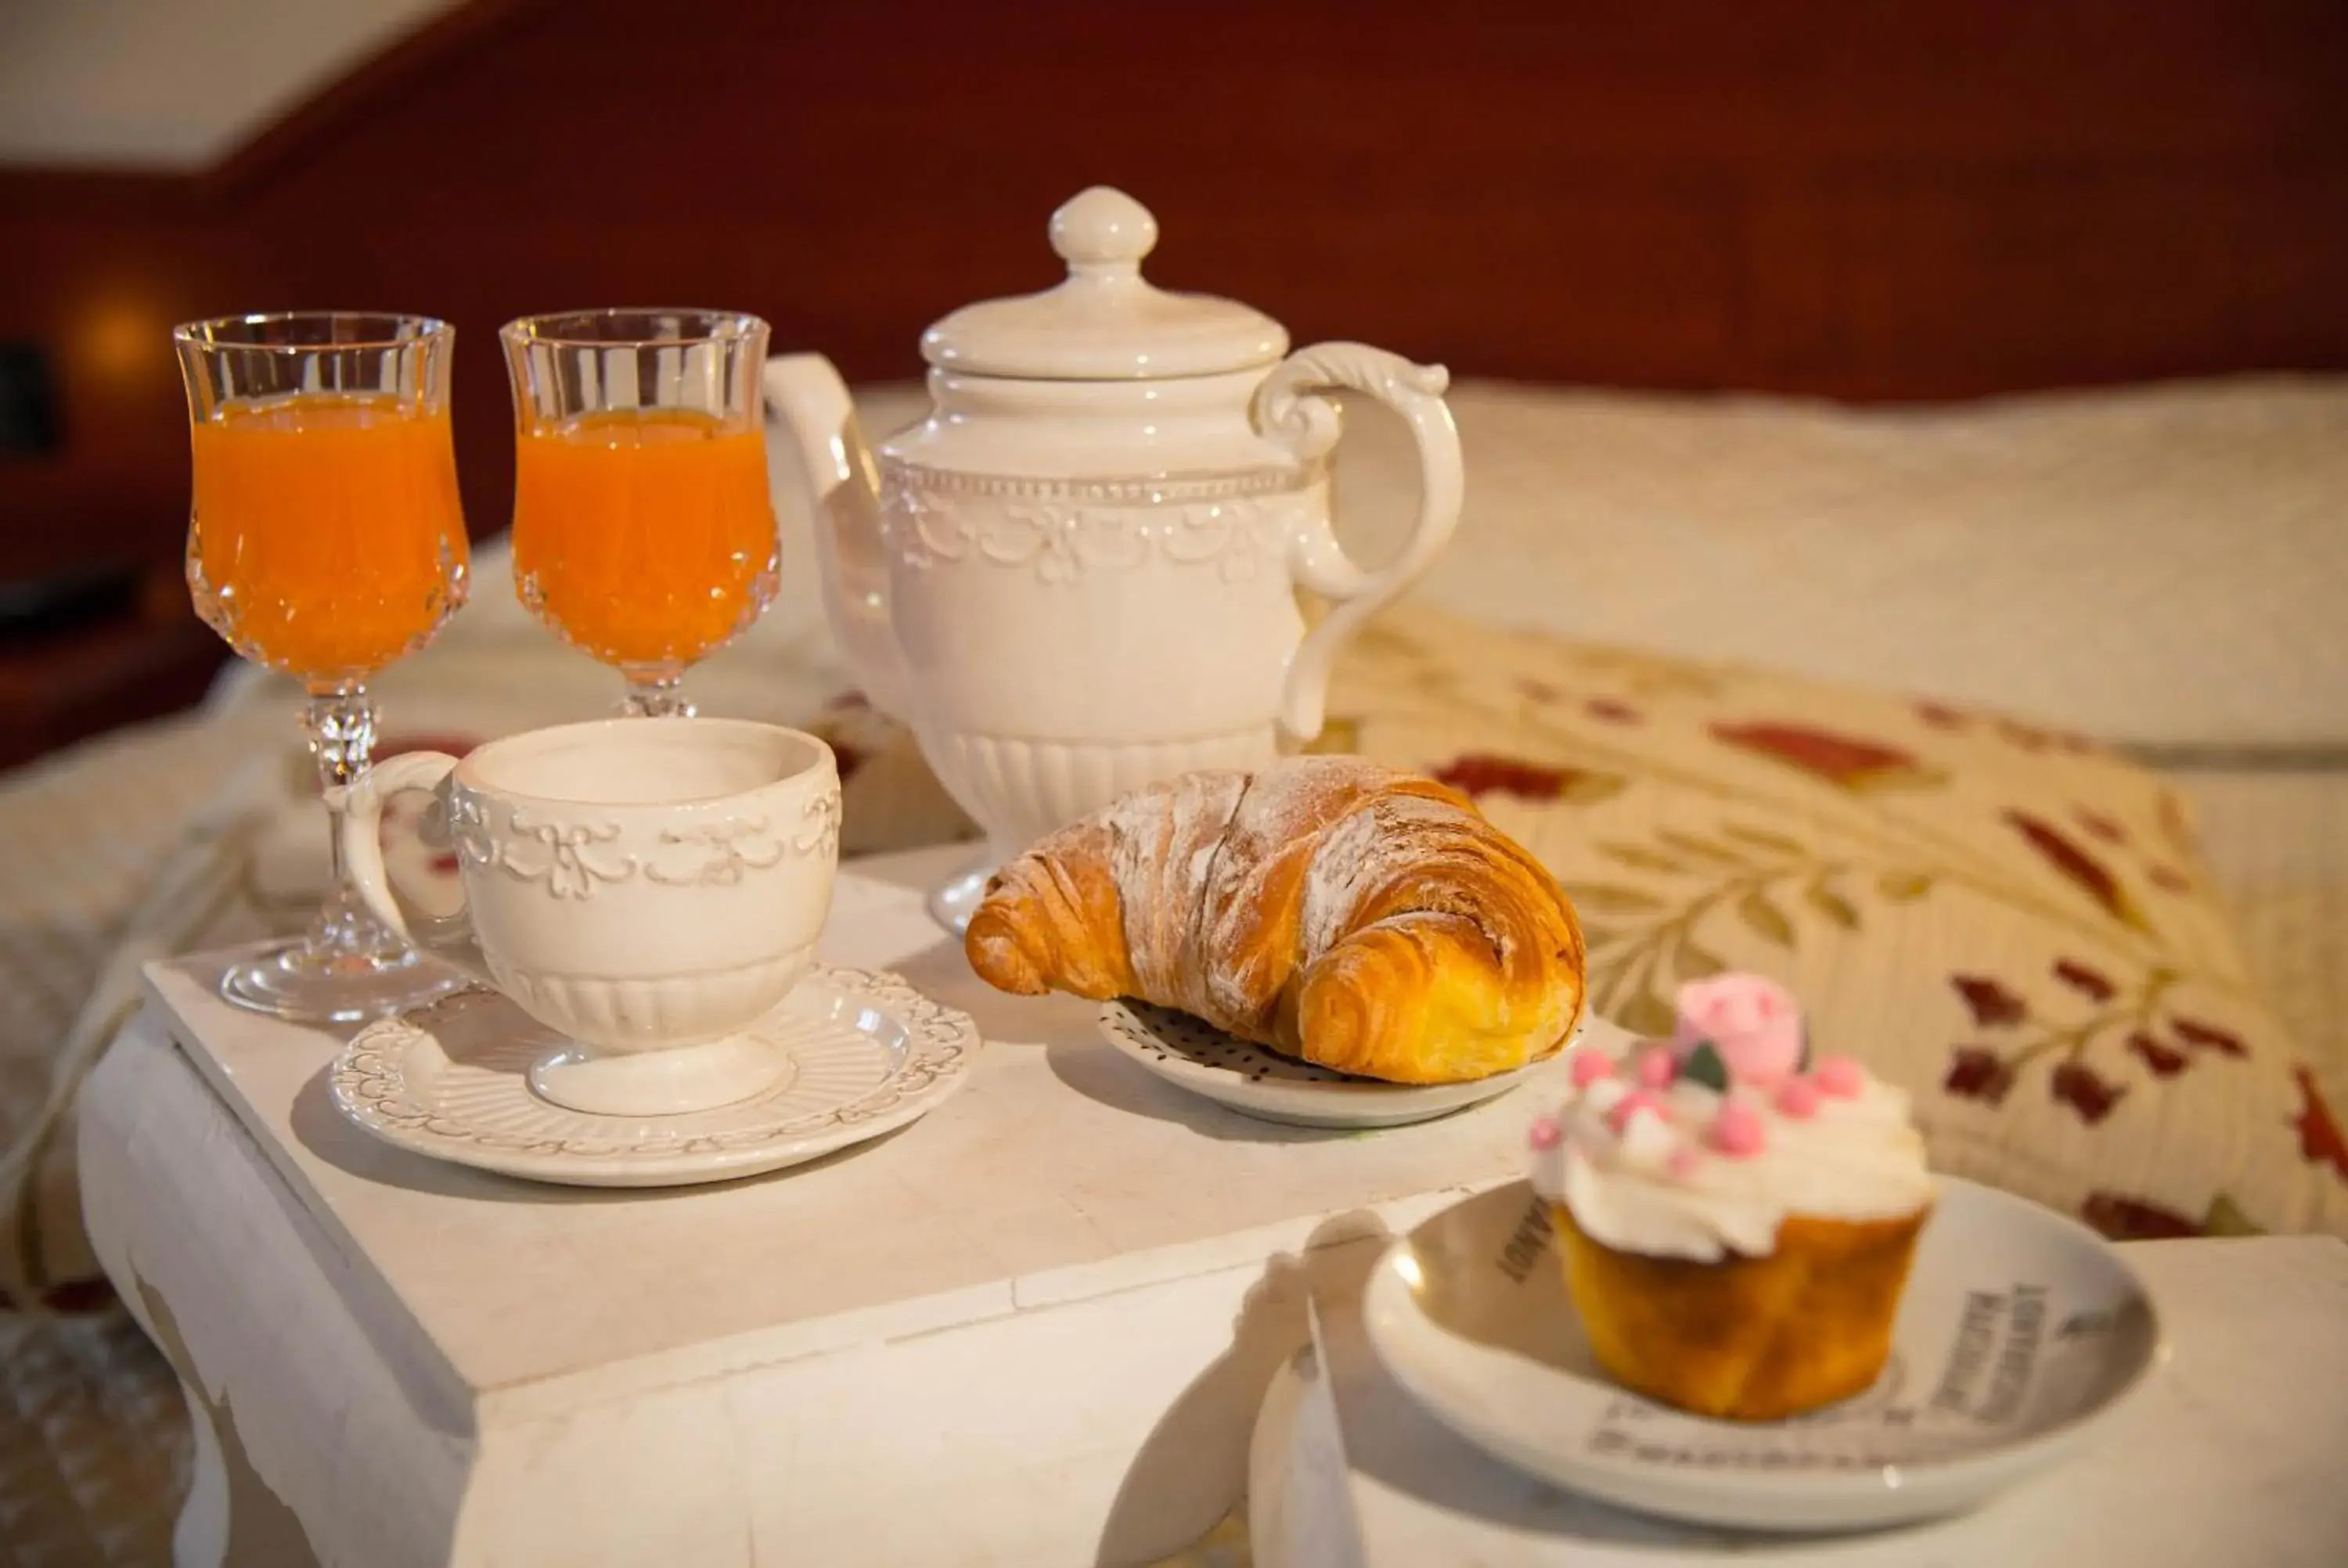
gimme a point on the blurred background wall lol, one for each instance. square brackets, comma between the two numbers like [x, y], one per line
[1842, 197]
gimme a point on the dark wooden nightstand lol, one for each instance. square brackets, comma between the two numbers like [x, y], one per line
[102, 655]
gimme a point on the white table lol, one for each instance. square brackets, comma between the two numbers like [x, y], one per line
[1032, 1329]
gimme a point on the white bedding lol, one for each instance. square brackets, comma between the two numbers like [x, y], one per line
[2163, 566]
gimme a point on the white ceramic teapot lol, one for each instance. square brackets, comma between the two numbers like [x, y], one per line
[1079, 574]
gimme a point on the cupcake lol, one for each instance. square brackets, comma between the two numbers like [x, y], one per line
[1737, 1218]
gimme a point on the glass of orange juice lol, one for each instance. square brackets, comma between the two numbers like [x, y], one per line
[325, 541]
[644, 532]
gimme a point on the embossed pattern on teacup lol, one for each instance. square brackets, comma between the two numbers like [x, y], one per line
[571, 856]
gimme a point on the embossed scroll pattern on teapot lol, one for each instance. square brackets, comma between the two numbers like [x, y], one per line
[1079, 573]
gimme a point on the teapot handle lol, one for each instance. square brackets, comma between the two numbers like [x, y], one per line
[1287, 409]
[807, 396]
[358, 818]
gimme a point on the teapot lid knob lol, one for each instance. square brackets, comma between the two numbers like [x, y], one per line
[1103, 231]
[1105, 321]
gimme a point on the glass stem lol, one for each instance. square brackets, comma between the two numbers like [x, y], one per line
[341, 727]
[655, 693]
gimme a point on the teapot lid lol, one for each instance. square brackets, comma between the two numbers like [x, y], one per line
[1106, 322]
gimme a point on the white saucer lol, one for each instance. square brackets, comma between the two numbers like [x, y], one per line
[866, 1052]
[2020, 1335]
[1270, 1087]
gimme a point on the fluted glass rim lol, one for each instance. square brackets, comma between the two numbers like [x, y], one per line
[573, 329]
[382, 330]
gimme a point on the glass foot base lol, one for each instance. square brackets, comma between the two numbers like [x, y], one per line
[303, 987]
[951, 903]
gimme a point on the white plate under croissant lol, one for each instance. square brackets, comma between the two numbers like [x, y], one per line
[1262, 1084]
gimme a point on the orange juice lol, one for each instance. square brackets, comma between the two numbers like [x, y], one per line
[327, 538]
[644, 536]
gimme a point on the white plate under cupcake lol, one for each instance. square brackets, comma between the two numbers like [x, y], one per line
[864, 1053]
[1196, 1056]
[2022, 1334]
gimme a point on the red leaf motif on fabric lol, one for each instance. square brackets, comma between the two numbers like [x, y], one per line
[2076, 864]
[2173, 825]
[443, 865]
[2083, 1090]
[1840, 760]
[2209, 1035]
[1612, 712]
[1480, 774]
[2162, 876]
[2166, 1062]
[1977, 1072]
[2319, 1135]
[2102, 826]
[1992, 1005]
[1941, 716]
[2028, 737]
[2132, 1219]
[2082, 978]
[851, 702]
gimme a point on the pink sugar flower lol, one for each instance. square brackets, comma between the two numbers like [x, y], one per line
[1752, 1023]
[1737, 1132]
[1546, 1134]
[1656, 1066]
[1838, 1077]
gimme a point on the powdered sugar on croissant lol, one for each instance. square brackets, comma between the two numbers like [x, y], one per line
[1363, 918]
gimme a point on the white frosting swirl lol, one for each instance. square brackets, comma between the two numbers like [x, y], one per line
[1854, 1158]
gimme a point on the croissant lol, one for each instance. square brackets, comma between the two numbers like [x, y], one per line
[1365, 919]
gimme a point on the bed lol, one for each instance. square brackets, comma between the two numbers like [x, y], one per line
[2158, 567]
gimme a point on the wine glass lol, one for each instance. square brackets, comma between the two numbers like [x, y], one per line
[325, 541]
[644, 531]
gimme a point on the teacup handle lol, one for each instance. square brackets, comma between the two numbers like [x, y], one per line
[359, 819]
[1287, 409]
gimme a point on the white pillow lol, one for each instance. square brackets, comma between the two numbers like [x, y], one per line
[2164, 564]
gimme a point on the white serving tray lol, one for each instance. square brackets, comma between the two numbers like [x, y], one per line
[1033, 1326]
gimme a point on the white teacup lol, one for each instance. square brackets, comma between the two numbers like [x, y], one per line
[650, 887]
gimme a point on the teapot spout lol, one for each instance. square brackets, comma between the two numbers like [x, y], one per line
[806, 394]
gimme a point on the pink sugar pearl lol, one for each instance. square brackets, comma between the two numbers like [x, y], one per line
[1546, 1134]
[1737, 1132]
[1684, 1160]
[1656, 1066]
[1589, 1066]
[1797, 1097]
[1629, 1105]
[1840, 1077]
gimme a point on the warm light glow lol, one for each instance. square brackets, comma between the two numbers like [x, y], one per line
[1406, 1265]
[125, 339]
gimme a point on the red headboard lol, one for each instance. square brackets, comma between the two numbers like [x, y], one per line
[1842, 196]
